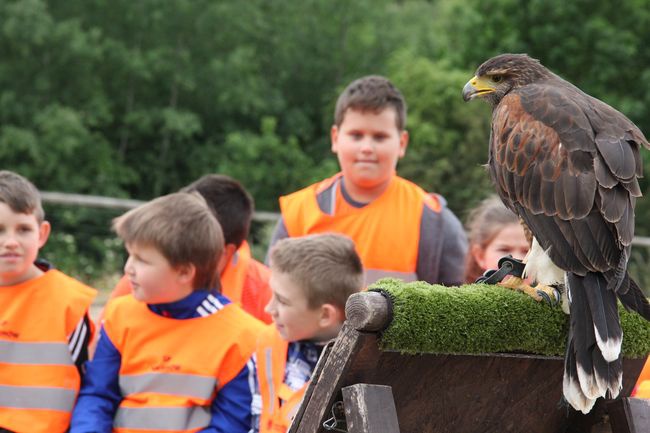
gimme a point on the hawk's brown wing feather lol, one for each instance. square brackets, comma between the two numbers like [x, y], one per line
[547, 167]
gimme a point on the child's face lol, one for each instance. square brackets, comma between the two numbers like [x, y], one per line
[153, 279]
[368, 146]
[511, 239]
[21, 236]
[292, 316]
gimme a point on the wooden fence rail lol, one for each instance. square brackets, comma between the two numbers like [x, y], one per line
[125, 204]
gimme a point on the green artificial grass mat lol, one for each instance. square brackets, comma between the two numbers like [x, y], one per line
[480, 318]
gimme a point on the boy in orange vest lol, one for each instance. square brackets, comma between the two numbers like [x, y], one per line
[44, 324]
[311, 279]
[399, 230]
[175, 355]
[244, 280]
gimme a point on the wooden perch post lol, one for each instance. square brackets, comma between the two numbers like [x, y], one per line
[367, 311]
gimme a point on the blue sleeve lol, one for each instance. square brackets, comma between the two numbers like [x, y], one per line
[231, 409]
[100, 395]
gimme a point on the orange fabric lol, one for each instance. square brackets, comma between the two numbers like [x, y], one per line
[642, 387]
[45, 309]
[386, 231]
[245, 281]
[151, 344]
[275, 417]
[256, 293]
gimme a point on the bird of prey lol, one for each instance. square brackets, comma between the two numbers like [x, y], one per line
[568, 164]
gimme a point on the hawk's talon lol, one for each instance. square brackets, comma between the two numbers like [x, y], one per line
[551, 300]
[549, 294]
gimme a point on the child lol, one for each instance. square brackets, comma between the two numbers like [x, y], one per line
[399, 230]
[175, 354]
[244, 280]
[494, 232]
[44, 325]
[311, 279]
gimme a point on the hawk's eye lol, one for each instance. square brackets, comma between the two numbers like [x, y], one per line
[497, 78]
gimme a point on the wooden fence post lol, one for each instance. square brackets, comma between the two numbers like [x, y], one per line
[370, 409]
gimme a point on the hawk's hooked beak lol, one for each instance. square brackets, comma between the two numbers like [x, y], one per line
[477, 86]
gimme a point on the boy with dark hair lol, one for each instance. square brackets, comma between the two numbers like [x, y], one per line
[244, 280]
[399, 230]
[44, 325]
[311, 278]
[176, 354]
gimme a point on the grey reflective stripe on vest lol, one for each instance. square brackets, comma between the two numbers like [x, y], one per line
[31, 397]
[373, 275]
[269, 378]
[171, 384]
[14, 352]
[162, 418]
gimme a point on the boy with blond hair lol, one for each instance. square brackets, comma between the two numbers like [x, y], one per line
[174, 355]
[399, 230]
[44, 325]
[311, 280]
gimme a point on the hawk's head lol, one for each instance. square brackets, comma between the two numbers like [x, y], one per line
[499, 75]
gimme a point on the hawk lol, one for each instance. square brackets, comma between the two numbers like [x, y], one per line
[568, 164]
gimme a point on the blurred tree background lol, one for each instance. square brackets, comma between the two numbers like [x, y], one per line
[138, 98]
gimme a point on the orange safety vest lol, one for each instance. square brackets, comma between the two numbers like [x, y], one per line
[642, 387]
[279, 402]
[39, 381]
[245, 281]
[386, 231]
[233, 277]
[171, 370]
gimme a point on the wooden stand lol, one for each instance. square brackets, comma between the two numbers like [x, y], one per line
[630, 415]
[437, 393]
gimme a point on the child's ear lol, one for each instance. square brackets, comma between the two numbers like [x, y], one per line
[403, 142]
[334, 137]
[330, 316]
[43, 233]
[186, 273]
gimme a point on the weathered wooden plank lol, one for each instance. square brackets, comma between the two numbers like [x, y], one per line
[335, 372]
[461, 393]
[630, 415]
[315, 376]
[370, 409]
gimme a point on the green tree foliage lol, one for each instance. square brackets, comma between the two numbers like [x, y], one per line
[138, 98]
[448, 137]
[243, 152]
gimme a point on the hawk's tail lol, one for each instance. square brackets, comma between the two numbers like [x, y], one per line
[592, 365]
[633, 298]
